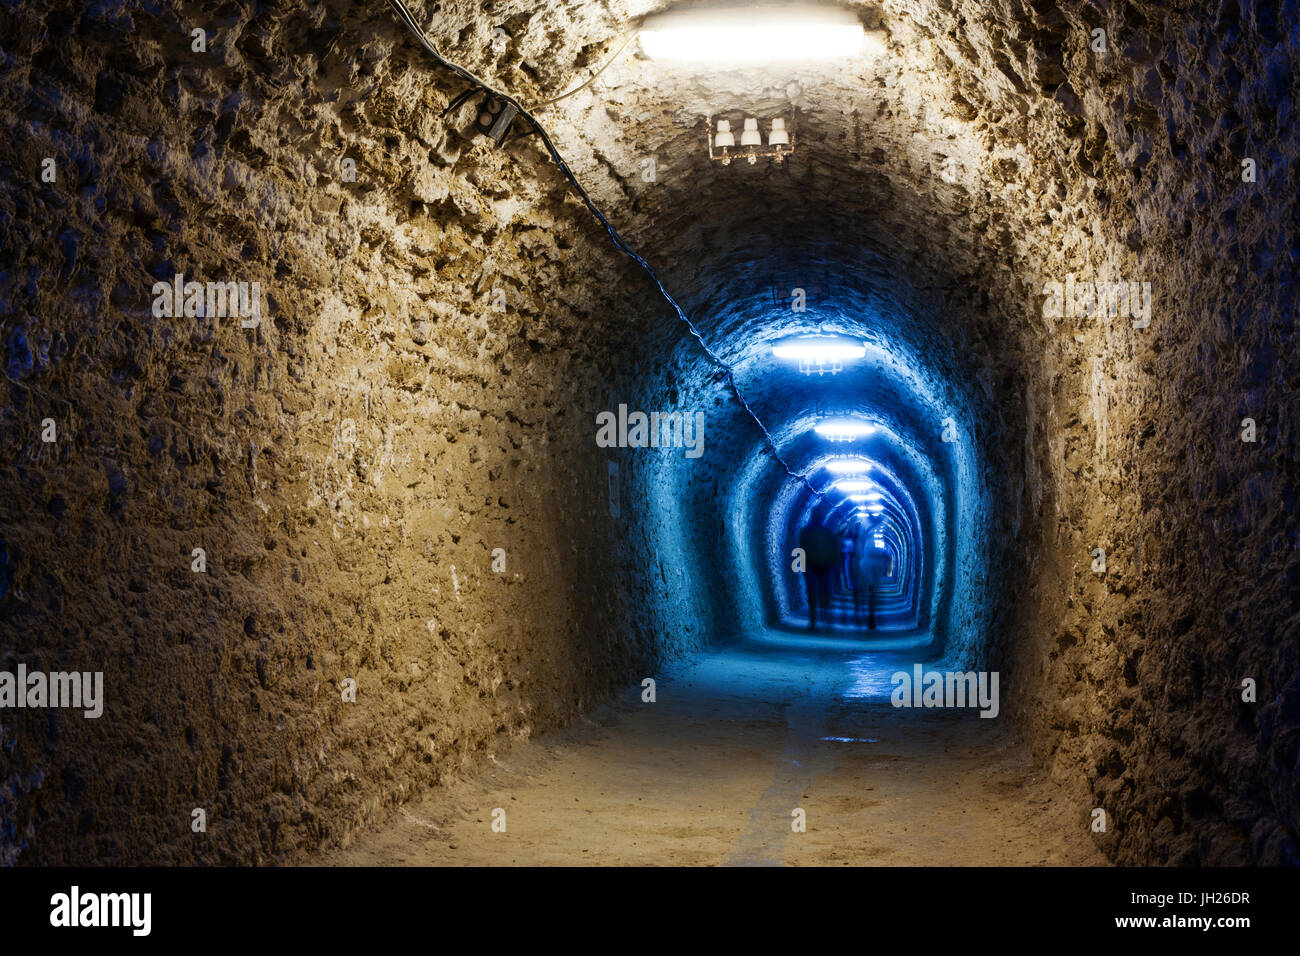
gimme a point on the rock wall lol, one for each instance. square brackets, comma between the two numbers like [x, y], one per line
[1135, 436]
[1132, 679]
[434, 340]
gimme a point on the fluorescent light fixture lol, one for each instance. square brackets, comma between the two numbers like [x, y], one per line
[843, 429]
[852, 484]
[847, 466]
[819, 348]
[728, 37]
[819, 353]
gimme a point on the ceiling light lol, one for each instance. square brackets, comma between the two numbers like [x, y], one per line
[852, 484]
[844, 429]
[819, 353]
[847, 466]
[819, 348]
[735, 36]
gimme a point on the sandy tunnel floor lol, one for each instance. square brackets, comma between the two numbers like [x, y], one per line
[737, 739]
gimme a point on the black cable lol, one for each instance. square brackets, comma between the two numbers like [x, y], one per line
[459, 99]
[405, 16]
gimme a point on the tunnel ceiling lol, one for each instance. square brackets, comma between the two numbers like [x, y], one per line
[934, 186]
[916, 171]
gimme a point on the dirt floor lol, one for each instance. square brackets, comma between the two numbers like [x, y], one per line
[737, 740]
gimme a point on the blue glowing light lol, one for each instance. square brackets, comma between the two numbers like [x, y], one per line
[844, 429]
[852, 485]
[819, 353]
[848, 466]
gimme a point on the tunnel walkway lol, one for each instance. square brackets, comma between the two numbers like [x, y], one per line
[892, 614]
[737, 739]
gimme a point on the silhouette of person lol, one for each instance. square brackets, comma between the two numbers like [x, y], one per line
[847, 547]
[821, 555]
[873, 567]
[861, 544]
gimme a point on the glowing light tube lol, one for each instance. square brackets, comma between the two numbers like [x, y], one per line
[727, 37]
[818, 348]
[843, 429]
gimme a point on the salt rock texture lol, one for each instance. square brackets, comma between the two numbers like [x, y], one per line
[350, 465]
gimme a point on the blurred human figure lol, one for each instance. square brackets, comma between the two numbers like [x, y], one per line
[873, 567]
[847, 546]
[861, 542]
[821, 554]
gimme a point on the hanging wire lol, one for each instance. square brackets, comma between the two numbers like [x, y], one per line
[405, 16]
[591, 79]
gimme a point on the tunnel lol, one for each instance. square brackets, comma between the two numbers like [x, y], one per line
[425, 424]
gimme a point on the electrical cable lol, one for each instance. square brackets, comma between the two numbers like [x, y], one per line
[591, 79]
[405, 16]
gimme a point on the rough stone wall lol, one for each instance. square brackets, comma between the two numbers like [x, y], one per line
[348, 466]
[1132, 679]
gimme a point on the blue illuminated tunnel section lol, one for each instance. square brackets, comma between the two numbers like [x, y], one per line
[895, 504]
[731, 519]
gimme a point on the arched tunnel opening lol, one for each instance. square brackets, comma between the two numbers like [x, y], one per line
[416, 411]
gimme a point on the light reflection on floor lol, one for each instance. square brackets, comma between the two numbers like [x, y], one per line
[853, 669]
[870, 676]
[858, 667]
